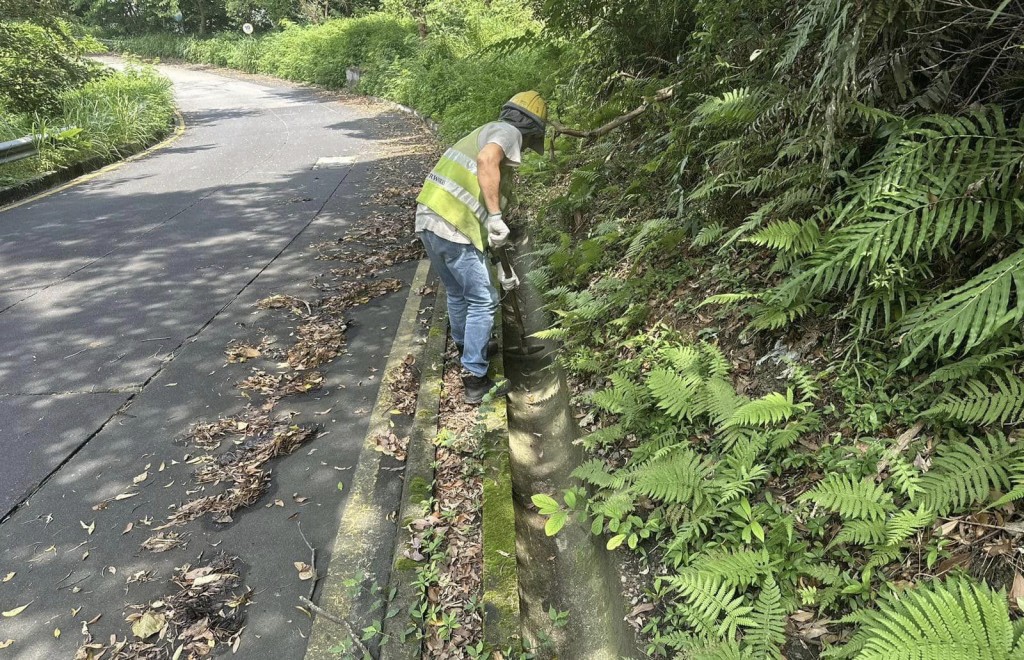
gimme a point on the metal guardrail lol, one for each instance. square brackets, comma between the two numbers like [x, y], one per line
[17, 149]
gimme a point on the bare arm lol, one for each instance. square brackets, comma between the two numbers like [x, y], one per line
[488, 173]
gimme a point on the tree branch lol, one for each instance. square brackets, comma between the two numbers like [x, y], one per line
[662, 94]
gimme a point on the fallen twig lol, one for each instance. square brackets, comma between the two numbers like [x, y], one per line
[341, 622]
[312, 560]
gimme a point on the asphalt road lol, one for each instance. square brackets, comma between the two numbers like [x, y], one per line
[117, 299]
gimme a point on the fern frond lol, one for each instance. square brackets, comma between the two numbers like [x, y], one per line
[851, 498]
[905, 524]
[647, 236]
[802, 378]
[788, 236]
[678, 479]
[729, 298]
[861, 532]
[737, 568]
[998, 359]
[975, 403]
[766, 637]
[708, 234]
[711, 599]
[673, 392]
[963, 474]
[955, 619]
[771, 409]
[970, 314]
[595, 473]
[717, 364]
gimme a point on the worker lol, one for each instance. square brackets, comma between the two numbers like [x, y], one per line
[459, 215]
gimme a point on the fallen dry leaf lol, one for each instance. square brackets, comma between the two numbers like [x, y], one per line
[6, 643]
[148, 625]
[9, 577]
[91, 527]
[641, 608]
[140, 478]
[16, 611]
[1017, 590]
[305, 570]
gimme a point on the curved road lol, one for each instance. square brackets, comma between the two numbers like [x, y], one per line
[117, 298]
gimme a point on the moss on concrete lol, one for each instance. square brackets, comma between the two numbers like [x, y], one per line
[405, 564]
[500, 578]
[419, 490]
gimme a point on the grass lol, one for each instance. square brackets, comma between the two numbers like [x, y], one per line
[106, 118]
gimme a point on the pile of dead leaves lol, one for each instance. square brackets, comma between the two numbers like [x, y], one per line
[209, 435]
[275, 386]
[317, 341]
[244, 468]
[359, 292]
[280, 301]
[206, 612]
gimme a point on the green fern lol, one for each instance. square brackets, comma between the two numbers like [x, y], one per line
[708, 235]
[964, 473]
[971, 314]
[771, 409]
[851, 498]
[998, 360]
[674, 393]
[951, 619]
[861, 532]
[678, 479]
[737, 568]
[765, 638]
[712, 604]
[788, 236]
[905, 524]
[975, 403]
[595, 472]
[729, 298]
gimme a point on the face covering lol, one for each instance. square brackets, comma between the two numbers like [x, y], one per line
[533, 132]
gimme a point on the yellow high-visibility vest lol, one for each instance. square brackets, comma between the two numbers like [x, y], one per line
[453, 192]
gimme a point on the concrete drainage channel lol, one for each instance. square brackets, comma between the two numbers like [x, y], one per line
[527, 448]
[571, 572]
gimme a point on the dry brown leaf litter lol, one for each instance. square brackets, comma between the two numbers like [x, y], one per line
[458, 491]
[206, 611]
[245, 470]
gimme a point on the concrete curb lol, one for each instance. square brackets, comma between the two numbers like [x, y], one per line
[417, 489]
[82, 171]
[366, 526]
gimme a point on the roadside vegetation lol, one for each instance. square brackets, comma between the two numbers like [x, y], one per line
[789, 293]
[76, 109]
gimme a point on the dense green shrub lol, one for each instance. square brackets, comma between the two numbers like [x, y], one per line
[37, 62]
[321, 54]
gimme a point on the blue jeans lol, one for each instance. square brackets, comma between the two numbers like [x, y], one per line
[472, 299]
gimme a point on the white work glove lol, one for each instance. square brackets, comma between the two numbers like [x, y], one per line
[497, 230]
[509, 281]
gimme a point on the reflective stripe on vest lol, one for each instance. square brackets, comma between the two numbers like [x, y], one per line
[453, 192]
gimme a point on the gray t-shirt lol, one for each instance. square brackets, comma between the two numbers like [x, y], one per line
[505, 136]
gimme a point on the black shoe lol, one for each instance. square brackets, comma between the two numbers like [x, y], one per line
[476, 387]
[489, 352]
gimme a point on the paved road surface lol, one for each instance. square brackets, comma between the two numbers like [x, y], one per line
[117, 298]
